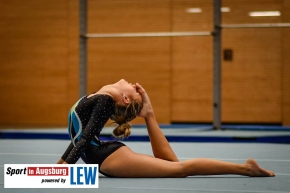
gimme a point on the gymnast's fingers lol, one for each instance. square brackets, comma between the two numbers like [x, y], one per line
[140, 89]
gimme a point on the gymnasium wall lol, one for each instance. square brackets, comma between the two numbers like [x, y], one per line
[39, 59]
[34, 50]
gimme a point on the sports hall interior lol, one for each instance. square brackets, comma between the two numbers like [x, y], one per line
[40, 77]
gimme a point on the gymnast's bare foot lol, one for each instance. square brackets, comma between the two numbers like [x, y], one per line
[257, 171]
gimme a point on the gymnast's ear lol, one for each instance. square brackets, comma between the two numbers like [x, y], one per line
[125, 99]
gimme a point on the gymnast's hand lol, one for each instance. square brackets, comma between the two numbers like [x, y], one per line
[147, 109]
[60, 161]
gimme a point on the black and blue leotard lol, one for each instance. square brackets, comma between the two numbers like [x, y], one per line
[86, 120]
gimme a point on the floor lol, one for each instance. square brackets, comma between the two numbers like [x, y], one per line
[273, 156]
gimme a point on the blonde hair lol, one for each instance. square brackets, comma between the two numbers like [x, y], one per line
[122, 115]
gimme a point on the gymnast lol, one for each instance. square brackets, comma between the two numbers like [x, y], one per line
[122, 102]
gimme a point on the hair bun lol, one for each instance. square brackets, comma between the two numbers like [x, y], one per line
[122, 131]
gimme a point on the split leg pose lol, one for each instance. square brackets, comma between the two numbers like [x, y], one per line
[125, 163]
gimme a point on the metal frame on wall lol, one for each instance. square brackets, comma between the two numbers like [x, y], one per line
[83, 48]
[217, 44]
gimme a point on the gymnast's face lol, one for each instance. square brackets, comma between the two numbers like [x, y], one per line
[130, 90]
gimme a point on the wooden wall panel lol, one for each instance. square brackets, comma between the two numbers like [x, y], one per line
[191, 63]
[33, 52]
[39, 51]
[286, 64]
[251, 84]
[128, 16]
[143, 60]
[182, 20]
[192, 77]
[240, 11]
[73, 53]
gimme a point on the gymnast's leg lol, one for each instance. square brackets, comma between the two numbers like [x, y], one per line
[160, 146]
[125, 163]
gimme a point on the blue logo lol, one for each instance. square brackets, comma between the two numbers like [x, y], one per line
[83, 175]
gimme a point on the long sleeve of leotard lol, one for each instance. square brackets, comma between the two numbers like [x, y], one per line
[102, 110]
[67, 151]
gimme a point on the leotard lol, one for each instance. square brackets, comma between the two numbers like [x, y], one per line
[86, 120]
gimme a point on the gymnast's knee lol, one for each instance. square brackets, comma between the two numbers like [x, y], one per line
[180, 170]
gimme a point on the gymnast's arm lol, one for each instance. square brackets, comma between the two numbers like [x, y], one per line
[66, 153]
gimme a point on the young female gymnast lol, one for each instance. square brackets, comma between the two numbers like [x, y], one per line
[122, 102]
